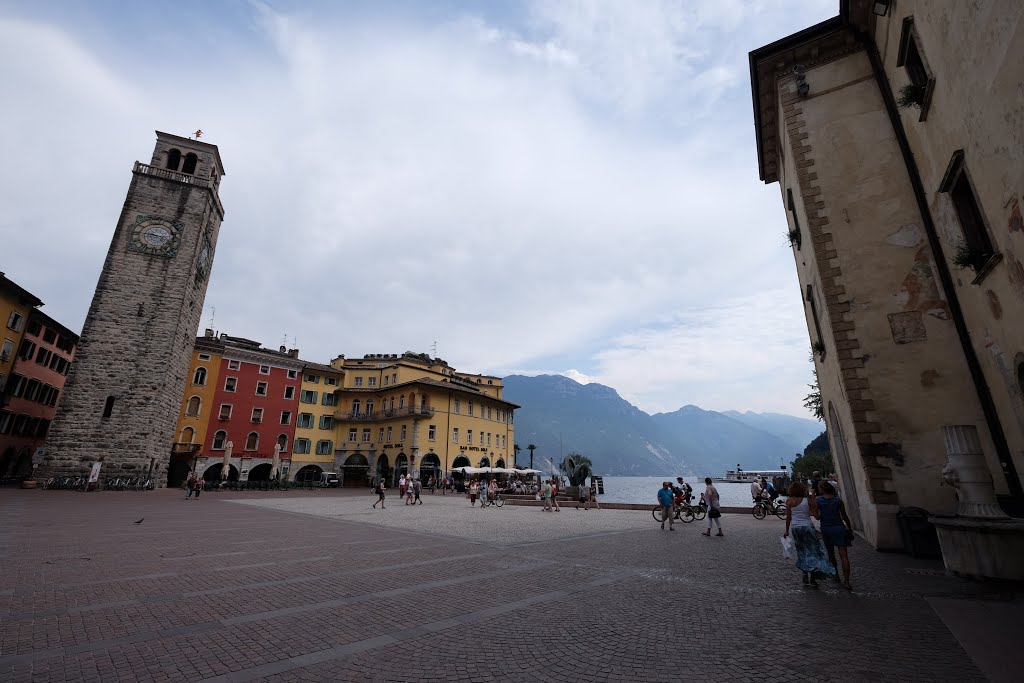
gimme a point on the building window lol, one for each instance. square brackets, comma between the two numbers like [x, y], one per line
[225, 411]
[976, 250]
[359, 381]
[469, 436]
[355, 407]
[193, 407]
[15, 321]
[230, 383]
[489, 413]
[455, 434]
[469, 408]
[26, 349]
[394, 378]
[371, 381]
[282, 442]
[34, 328]
[43, 357]
[252, 441]
[261, 388]
[391, 404]
[189, 167]
[504, 441]
[199, 377]
[432, 433]
[187, 434]
[312, 379]
[488, 439]
[329, 399]
[289, 393]
[233, 365]
[305, 420]
[173, 159]
[204, 356]
[301, 446]
[108, 407]
[218, 440]
[369, 408]
[380, 435]
[292, 374]
[818, 345]
[911, 57]
[455, 406]
[324, 447]
[403, 432]
[366, 435]
[386, 380]
[352, 434]
[286, 417]
[257, 415]
[401, 402]
[7, 350]
[326, 422]
[389, 434]
[307, 396]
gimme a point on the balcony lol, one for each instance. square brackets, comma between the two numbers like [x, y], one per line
[177, 177]
[180, 447]
[378, 416]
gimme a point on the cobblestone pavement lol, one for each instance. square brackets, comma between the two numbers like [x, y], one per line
[307, 587]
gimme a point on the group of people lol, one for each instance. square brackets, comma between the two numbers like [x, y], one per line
[670, 496]
[409, 489]
[483, 490]
[816, 557]
[763, 489]
[193, 484]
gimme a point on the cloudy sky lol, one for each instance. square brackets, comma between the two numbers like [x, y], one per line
[536, 187]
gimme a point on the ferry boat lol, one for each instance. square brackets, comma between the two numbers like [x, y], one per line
[742, 476]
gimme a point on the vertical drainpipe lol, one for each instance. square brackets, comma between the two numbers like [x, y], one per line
[447, 429]
[945, 277]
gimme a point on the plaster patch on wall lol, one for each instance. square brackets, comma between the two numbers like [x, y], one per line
[1016, 221]
[907, 327]
[908, 235]
[994, 305]
[1015, 271]
[928, 378]
[920, 292]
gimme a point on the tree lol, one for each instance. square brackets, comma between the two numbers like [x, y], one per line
[817, 457]
[813, 400]
[531, 448]
[516, 448]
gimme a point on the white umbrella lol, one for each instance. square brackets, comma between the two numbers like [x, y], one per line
[277, 461]
[226, 467]
[527, 471]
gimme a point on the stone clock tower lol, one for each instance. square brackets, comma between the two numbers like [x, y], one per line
[123, 395]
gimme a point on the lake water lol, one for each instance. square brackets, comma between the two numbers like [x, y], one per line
[645, 490]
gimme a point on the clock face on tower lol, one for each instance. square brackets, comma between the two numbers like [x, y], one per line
[155, 236]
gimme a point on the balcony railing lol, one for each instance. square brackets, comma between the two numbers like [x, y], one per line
[168, 174]
[378, 415]
[181, 447]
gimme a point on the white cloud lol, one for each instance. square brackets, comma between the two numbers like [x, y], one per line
[393, 184]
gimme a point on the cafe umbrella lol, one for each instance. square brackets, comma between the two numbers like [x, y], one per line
[226, 467]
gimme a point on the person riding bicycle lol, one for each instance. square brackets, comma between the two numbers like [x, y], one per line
[683, 492]
[769, 490]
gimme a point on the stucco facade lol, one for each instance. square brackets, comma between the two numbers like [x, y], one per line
[905, 341]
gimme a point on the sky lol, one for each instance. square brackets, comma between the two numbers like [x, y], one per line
[515, 187]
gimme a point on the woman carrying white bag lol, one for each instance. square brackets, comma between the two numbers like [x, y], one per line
[810, 553]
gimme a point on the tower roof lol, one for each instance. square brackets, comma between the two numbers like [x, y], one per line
[194, 144]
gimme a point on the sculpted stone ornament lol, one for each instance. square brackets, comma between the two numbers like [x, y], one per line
[969, 475]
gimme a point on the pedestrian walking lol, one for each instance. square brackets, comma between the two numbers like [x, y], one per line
[380, 489]
[402, 486]
[189, 482]
[665, 499]
[545, 493]
[810, 553]
[836, 528]
[492, 489]
[593, 494]
[417, 488]
[409, 491]
[583, 496]
[483, 493]
[554, 495]
[474, 491]
[197, 485]
[714, 507]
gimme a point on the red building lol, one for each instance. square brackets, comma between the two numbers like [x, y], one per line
[254, 408]
[30, 397]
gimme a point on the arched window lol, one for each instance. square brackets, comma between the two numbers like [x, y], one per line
[282, 441]
[194, 404]
[401, 401]
[252, 441]
[219, 439]
[187, 434]
[200, 376]
[173, 159]
[369, 407]
[189, 166]
[355, 407]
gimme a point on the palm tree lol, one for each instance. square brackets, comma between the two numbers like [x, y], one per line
[515, 454]
[531, 448]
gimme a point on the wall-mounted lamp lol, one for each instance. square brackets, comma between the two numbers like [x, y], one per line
[880, 7]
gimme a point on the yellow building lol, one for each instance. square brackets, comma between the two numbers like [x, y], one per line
[409, 412]
[196, 406]
[315, 432]
[15, 305]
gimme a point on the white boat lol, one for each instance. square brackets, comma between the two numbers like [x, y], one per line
[746, 476]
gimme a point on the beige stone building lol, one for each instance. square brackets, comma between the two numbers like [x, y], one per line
[895, 132]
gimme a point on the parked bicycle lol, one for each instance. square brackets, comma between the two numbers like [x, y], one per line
[682, 512]
[764, 507]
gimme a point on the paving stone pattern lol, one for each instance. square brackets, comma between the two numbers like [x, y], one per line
[309, 587]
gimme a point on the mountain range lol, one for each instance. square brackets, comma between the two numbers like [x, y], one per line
[559, 415]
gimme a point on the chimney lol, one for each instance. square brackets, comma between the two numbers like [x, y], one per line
[292, 353]
[208, 333]
[282, 349]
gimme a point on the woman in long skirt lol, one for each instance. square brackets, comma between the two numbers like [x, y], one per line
[811, 557]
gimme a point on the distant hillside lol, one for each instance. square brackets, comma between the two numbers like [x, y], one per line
[560, 415]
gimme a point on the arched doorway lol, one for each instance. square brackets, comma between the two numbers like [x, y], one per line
[260, 472]
[485, 461]
[430, 466]
[401, 467]
[355, 471]
[307, 473]
[500, 463]
[212, 472]
[457, 465]
[177, 473]
[842, 456]
[382, 469]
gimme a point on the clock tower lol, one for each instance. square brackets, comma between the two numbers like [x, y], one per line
[122, 397]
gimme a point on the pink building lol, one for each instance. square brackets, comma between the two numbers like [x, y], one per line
[33, 389]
